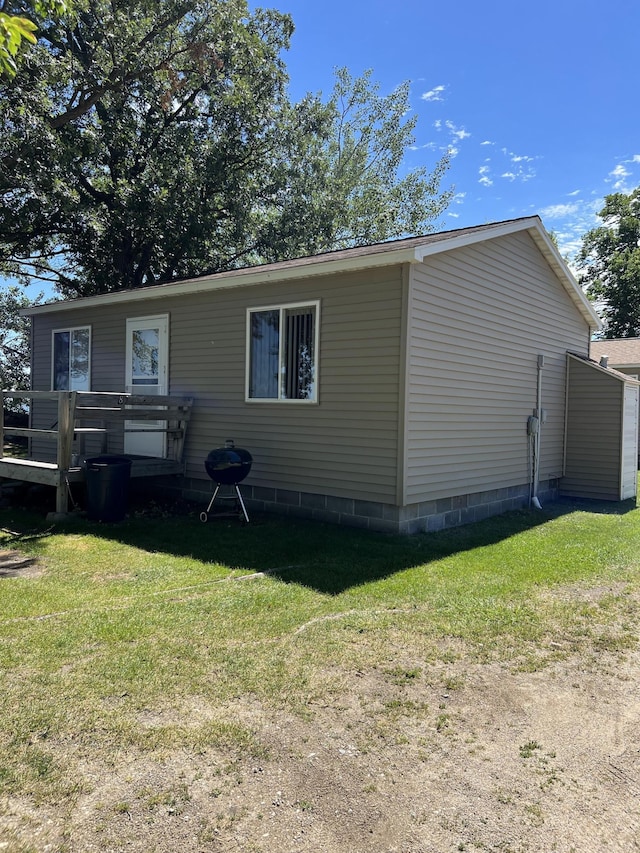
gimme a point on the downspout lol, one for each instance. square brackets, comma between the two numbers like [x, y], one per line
[535, 501]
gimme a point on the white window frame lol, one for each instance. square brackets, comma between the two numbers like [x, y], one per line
[70, 330]
[282, 307]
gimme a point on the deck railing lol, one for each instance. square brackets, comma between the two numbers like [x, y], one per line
[114, 413]
[62, 433]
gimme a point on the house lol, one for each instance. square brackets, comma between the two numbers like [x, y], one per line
[405, 386]
[623, 354]
[601, 448]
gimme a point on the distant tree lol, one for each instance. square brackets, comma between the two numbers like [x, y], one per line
[154, 139]
[344, 188]
[14, 340]
[610, 261]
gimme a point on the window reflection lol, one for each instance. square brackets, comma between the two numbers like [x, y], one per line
[71, 359]
[145, 348]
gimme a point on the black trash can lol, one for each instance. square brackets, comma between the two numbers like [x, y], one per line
[107, 480]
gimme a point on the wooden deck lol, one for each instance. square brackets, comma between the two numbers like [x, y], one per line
[82, 414]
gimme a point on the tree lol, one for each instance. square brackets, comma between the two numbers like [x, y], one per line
[153, 139]
[133, 143]
[610, 258]
[14, 340]
[344, 187]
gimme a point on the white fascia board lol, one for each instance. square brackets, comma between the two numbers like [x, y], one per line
[481, 235]
[233, 278]
[558, 264]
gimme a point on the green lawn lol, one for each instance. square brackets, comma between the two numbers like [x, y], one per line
[152, 612]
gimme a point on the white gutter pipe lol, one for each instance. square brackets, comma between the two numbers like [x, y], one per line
[535, 501]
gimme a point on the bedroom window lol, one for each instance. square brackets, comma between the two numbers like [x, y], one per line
[71, 359]
[282, 353]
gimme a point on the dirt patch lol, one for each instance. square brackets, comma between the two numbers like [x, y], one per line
[413, 759]
[14, 564]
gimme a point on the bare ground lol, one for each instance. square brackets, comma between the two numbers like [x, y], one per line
[449, 757]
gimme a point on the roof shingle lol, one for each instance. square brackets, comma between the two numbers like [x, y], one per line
[621, 351]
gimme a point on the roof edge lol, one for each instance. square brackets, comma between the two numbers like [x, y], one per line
[610, 371]
[245, 277]
[535, 227]
[410, 250]
[558, 264]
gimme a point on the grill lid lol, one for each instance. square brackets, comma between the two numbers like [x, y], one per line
[228, 465]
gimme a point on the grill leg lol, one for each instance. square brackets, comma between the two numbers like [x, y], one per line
[244, 510]
[204, 516]
[215, 495]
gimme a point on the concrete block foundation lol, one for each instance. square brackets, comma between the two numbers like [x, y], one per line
[424, 517]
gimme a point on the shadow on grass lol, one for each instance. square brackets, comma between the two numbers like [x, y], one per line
[326, 558]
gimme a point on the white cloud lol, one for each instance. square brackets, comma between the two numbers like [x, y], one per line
[453, 151]
[427, 145]
[437, 124]
[484, 179]
[618, 177]
[559, 211]
[434, 94]
[570, 222]
[487, 142]
[521, 168]
[457, 132]
[517, 158]
[519, 174]
[620, 171]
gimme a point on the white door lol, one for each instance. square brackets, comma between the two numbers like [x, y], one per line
[629, 484]
[146, 373]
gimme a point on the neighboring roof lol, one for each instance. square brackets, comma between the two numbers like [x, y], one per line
[409, 250]
[622, 352]
[615, 374]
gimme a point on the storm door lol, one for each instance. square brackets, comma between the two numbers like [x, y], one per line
[146, 374]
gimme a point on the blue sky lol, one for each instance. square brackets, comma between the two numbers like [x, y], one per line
[539, 102]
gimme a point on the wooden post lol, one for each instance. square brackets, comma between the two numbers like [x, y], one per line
[178, 438]
[66, 421]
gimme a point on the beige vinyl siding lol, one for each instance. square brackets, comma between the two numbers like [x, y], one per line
[345, 445]
[107, 364]
[594, 431]
[479, 317]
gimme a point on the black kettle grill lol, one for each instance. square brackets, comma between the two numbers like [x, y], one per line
[228, 466]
